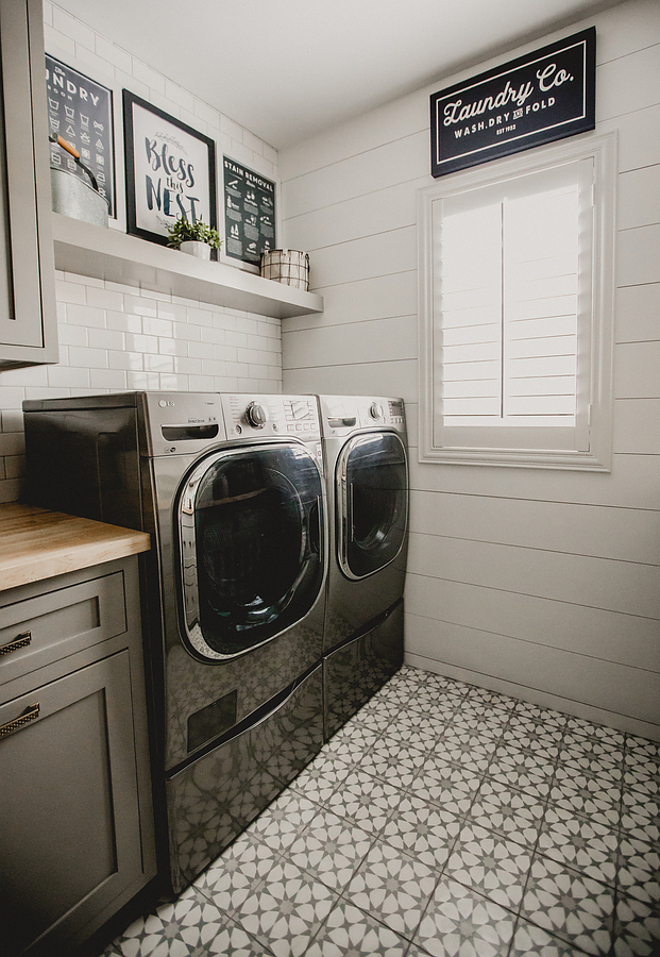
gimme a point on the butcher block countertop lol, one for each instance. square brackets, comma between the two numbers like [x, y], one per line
[36, 543]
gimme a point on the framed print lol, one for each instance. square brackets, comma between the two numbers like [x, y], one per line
[249, 205]
[170, 171]
[80, 111]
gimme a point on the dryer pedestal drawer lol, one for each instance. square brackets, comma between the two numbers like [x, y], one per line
[355, 671]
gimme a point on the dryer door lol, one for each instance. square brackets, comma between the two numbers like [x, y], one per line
[252, 547]
[372, 503]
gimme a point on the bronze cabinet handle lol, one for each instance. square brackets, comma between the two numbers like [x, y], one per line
[31, 713]
[22, 641]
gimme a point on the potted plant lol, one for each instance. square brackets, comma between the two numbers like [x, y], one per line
[195, 238]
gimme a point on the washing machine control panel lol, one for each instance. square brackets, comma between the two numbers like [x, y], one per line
[183, 422]
[271, 415]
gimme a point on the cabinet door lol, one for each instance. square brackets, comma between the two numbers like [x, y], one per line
[70, 827]
[27, 278]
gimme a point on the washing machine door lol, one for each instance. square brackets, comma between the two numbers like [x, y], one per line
[252, 546]
[372, 503]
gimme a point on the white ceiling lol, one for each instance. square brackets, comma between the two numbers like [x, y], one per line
[286, 69]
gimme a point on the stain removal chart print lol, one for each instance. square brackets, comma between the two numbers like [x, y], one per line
[80, 111]
[249, 214]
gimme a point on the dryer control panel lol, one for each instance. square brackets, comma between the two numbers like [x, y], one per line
[343, 414]
[271, 415]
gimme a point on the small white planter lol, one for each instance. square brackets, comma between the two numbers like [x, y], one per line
[193, 247]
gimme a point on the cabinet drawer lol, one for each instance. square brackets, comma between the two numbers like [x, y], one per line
[40, 629]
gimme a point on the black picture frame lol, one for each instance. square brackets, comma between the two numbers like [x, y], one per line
[249, 215]
[537, 98]
[170, 171]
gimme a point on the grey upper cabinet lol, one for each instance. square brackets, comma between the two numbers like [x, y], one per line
[28, 326]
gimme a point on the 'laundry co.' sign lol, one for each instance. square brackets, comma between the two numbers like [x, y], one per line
[537, 98]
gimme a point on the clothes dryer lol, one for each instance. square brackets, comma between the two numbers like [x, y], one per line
[364, 449]
[231, 489]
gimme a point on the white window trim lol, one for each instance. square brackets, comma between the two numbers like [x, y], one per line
[603, 150]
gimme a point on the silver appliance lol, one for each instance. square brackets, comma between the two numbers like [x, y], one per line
[366, 465]
[232, 491]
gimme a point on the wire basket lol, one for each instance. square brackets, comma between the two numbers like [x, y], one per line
[289, 266]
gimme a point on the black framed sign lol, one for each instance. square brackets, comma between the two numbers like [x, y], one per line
[80, 111]
[537, 98]
[170, 171]
[249, 214]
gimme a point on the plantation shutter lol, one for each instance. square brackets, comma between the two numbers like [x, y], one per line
[513, 313]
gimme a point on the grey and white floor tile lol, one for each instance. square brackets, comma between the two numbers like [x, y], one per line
[443, 820]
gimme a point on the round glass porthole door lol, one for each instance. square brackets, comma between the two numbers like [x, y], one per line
[372, 503]
[251, 538]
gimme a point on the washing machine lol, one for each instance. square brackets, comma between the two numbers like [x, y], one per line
[231, 489]
[365, 455]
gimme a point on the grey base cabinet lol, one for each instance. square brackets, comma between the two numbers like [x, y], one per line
[76, 821]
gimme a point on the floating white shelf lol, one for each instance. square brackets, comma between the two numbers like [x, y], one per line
[114, 256]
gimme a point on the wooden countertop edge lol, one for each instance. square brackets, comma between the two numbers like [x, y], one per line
[36, 544]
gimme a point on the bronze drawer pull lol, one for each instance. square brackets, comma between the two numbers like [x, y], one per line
[21, 642]
[30, 714]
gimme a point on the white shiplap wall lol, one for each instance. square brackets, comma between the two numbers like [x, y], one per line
[544, 584]
[115, 337]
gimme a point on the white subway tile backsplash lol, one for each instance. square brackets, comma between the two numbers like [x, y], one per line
[150, 78]
[130, 82]
[11, 420]
[12, 443]
[140, 306]
[171, 382]
[69, 291]
[201, 383]
[11, 395]
[123, 322]
[88, 358]
[168, 347]
[64, 377]
[113, 54]
[187, 332]
[68, 26]
[156, 327]
[76, 335]
[142, 380]
[176, 94]
[185, 365]
[80, 315]
[102, 380]
[104, 298]
[125, 360]
[174, 311]
[101, 338]
[200, 317]
[91, 64]
[158, 363]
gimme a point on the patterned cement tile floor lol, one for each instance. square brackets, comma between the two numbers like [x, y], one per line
[442, 820]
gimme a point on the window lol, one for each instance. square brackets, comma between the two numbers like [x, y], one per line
[515, 308]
